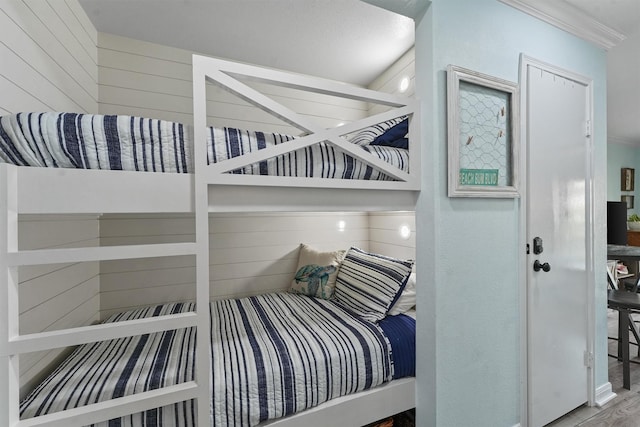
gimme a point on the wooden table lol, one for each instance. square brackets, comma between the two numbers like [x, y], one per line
[623, 251]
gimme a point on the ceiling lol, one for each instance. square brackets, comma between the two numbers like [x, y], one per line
[623, 63]
[620, 15]
[345, 40]
[623, 66]
[352, 40]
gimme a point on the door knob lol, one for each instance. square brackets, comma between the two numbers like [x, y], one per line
[537, 266]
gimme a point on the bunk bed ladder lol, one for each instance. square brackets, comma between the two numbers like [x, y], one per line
[12, 344]
[9, 370]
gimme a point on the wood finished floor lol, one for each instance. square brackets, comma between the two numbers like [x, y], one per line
[624, 410]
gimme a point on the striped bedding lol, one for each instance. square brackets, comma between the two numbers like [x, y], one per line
[87, 141]
[272, 355]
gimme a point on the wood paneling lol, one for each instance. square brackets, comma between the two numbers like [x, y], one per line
[384, 234]
[250, 254]
[49, 57]
[389, 81]
[150, 80]
[55, 296]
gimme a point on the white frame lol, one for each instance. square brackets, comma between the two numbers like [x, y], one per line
[455, 75]
[30, 190]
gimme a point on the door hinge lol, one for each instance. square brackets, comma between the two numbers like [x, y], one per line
[588, 359]
[588, 129]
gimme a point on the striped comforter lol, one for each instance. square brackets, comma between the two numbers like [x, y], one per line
[272, 355]
[87, 141]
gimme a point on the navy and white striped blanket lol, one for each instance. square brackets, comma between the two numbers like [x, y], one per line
[88, 141]
[272, 355]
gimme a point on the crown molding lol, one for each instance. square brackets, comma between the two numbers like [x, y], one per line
[571, 19]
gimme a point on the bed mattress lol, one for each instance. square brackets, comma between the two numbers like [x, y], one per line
[89, 141]
[272, 355]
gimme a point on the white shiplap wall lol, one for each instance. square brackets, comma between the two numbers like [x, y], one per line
[389, 81]
[384, 234]
[49, 57]
[48, 62]
[150, 80]
[251, 253]
[55, 296]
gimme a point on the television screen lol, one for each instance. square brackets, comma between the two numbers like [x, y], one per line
[616, 223]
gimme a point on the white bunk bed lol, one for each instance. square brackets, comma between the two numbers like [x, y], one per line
[32, 190]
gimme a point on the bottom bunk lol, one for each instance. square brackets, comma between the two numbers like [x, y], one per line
[271, 355]
[250, 254]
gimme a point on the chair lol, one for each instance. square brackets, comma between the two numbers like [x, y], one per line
[625, 303]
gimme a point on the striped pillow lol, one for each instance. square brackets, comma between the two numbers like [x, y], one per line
[368, 284]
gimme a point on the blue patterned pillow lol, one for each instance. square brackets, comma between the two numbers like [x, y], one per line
[368, 284]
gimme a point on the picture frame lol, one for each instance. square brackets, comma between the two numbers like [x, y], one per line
[627, 178]
[628, 200]
[483, 135]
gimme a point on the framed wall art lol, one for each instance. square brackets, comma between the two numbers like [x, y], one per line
[482, 120]
[628, 200]
[627, 178]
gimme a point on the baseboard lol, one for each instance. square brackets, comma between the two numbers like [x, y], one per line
[604, 394]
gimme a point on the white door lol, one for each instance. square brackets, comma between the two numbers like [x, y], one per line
[557, 213]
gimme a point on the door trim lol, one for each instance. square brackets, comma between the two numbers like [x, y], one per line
[525, 62]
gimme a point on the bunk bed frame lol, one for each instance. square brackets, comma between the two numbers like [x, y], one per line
[30, 190]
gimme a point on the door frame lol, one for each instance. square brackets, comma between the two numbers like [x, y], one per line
[525, 62]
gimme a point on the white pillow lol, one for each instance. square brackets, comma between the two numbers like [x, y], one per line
[316, 272]
[407, 299]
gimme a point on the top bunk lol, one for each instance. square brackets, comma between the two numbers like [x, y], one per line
[56, 162]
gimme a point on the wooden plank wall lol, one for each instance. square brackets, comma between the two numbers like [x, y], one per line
[56, 296]
[389, 81]
[385, 237]
[251, 253]
[151, 80]
[48, 58]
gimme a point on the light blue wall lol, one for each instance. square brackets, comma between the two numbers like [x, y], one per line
[468, 251]
[622, 156]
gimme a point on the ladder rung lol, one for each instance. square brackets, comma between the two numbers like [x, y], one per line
[104, 331]
[100, 253]
[115, 408]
